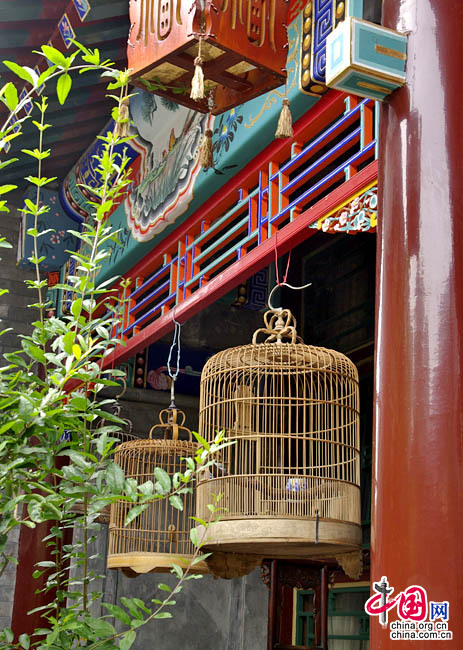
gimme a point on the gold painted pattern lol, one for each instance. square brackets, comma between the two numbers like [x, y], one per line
[292, 67]
[352, 203]
[307, 84]
[390, 52]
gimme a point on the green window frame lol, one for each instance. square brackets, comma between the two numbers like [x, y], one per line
[305, 618]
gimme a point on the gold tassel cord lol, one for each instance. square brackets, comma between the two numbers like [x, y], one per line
[197, 83]
[206, 158]
[285, 122]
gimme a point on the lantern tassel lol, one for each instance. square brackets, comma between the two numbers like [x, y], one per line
[122, 125]
[206, 158]
[197, 83]
[285, 122]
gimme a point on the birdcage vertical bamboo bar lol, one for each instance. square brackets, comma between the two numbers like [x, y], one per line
[160, 535]
[292, 412]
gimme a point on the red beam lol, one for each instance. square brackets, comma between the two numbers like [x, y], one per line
[292, 234]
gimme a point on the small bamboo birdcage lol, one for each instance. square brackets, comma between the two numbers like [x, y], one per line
[291, 481]
[159, 536]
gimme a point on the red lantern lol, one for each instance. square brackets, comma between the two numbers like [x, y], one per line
[243, 49]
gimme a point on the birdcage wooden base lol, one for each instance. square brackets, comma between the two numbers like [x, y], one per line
[283, 538]
[137, 563]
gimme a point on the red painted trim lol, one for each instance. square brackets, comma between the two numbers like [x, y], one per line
[292, 234]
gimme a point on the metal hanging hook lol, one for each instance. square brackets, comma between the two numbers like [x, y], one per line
[174, 374]
[283, 284]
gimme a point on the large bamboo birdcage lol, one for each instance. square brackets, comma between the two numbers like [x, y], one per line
[160, 535]
[291, 480]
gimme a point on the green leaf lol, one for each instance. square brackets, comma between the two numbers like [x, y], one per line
[194, 536]
[77, 351]
[100, 626]
[24, 641]
[7, 188]
[176, 502]
[45, 74]
[201, 440]
[141, 604]
[134, 512]
[147, 488]
[117, 612]
[8, 635]
[132, 607]
[115, 478]
[25, 408]
[163, 478]
[63, 86]
[164, 587]
[130, 488]
[68, 340]
[11, 95]
[127, 640]
[54, 55]
[177, 570]
[20, 71]
[200, 558]
[46, 564]
[76, 307]
[34, 508]
[163, 615]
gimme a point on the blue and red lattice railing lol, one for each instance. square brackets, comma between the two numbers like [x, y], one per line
[268, 205]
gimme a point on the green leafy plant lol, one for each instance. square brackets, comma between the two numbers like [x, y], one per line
[56, 445]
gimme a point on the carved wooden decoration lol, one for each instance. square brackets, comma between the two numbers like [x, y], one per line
[243, 49]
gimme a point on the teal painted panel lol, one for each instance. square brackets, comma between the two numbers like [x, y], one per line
[354, 8]
[169, 187]
[338, 51]
[371, 44]
[361, 54]
[365, 85]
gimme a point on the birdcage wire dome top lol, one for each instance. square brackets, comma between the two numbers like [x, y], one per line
[291, 480]
[160, 535]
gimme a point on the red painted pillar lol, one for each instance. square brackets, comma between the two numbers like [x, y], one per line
[417, 531]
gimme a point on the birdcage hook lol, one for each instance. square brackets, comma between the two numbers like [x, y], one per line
[283, 284]
[173, 374]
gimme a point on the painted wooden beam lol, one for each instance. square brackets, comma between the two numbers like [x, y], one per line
[291, 235]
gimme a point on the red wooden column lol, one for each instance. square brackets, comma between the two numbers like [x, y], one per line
[417, 527]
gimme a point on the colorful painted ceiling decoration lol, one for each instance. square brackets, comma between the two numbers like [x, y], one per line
[320, 18]
[359, 214]
[56, 244]
[168, 184]
[168, 163]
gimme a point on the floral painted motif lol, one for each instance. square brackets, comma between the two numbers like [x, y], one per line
[54, 245]
[359, 215]
[224, 132]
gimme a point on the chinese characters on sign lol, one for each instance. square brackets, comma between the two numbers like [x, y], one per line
[413, 608]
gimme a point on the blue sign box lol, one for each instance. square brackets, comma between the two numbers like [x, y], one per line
[66, 31]
[82, 8]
